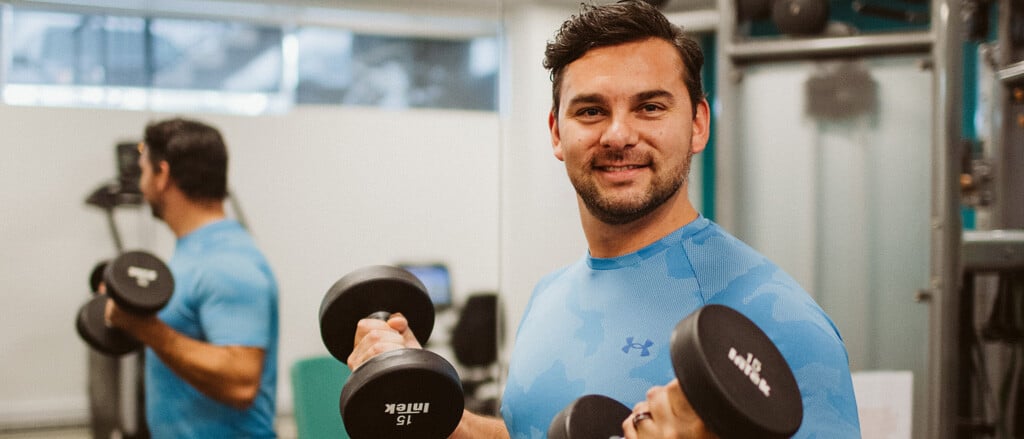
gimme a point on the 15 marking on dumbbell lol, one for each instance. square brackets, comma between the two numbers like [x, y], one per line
[404, 393]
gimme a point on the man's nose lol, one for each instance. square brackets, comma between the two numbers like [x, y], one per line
[621, 132]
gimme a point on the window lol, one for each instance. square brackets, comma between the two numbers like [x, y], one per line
[340, 67]
[66, 58]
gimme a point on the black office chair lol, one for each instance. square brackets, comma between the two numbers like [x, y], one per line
[474, 341]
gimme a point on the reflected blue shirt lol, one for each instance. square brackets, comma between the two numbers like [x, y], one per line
[224, 294]
[602, 326]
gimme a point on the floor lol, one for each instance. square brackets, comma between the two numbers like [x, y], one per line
[285, 430]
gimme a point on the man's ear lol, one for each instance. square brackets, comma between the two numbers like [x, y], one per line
[556, 138]
[162, 179]
[701, 128]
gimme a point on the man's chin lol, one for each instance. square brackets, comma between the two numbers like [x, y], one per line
[619, 212]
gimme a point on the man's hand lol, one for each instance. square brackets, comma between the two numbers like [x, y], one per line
[115, 317]
[374, 337]
[666, 414]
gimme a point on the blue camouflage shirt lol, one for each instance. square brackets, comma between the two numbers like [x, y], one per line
[602, 326]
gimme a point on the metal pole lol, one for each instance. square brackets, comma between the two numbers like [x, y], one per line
[118, 244]
[727, 175]
[853, 46]
[947, 56]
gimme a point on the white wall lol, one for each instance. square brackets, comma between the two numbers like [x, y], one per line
[324, 190]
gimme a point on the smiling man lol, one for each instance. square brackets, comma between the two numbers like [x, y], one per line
[627, 117]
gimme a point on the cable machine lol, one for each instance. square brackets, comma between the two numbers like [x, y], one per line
[974, 292]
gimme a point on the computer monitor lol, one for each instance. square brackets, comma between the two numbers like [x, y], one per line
[128, 170]
[437, 280]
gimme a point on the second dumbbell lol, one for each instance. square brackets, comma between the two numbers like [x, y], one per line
[136, 281]
[733, 375]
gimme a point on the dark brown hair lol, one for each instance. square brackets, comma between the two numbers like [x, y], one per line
[195, 153]
[626, 21]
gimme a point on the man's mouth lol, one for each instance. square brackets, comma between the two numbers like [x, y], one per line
[619, 168]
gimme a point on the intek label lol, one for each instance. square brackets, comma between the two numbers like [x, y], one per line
[142, 276]
[751, 367]
[406, 410]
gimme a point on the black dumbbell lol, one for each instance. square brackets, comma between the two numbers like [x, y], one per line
[732, 374]
[405, 393]
[589, 417]
[138, 282]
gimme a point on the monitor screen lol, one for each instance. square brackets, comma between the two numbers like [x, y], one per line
[437, 280]
[128, 170]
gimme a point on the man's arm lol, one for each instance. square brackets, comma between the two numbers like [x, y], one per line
[474, 426]
[229, 374]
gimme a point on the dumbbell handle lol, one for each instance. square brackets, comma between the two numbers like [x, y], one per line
[380, 315]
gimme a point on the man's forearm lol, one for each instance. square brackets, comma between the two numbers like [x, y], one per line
[474, 426]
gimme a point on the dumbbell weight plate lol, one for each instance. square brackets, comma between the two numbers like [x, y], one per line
[590, 416]
[711, 350]
[405, 393]
[139, 282]
[92, 328]
[369, 290]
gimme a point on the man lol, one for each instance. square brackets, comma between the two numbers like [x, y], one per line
[628, 115]
[211, 353]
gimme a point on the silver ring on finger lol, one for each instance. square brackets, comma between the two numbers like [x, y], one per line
[637, 417]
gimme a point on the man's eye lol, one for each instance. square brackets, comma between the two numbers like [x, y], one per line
[589, 112]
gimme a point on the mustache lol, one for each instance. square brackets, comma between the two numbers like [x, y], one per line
[618, 156]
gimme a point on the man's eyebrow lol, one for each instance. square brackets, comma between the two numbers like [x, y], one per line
[596, 98]
[652, 94]
[591, 98]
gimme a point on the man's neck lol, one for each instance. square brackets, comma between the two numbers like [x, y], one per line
[612, 240]
[183, 216]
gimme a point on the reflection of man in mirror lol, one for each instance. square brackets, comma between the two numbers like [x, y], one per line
[211, 352]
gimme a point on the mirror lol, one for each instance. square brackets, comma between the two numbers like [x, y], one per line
[324, 189]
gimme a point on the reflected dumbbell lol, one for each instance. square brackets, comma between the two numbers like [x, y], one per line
[139, 283]
[734, 377]
[405, 393]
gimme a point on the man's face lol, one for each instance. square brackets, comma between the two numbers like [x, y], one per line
[148, 182]
[626, 129]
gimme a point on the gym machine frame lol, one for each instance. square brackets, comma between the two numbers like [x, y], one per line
[943, 43]
[996, 248]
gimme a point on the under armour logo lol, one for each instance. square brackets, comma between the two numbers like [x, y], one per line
[644, 351]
